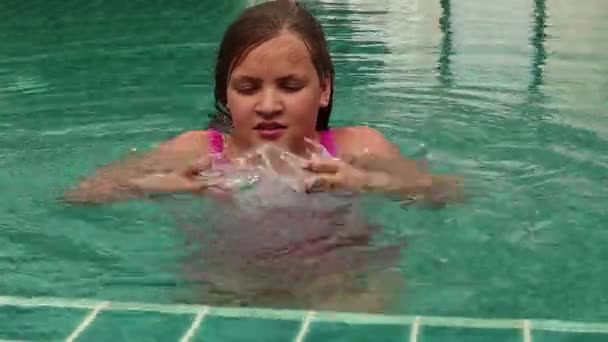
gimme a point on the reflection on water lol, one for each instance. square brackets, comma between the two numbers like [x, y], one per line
[445, 47]
[537, 40]
[575, 72]
[510, 94]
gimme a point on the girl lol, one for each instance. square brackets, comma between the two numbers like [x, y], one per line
[273, 83]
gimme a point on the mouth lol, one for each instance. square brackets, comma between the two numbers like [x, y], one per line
[270, 130]
[269, 126]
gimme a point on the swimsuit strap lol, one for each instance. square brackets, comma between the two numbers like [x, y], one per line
[327, 140]
[216, 142]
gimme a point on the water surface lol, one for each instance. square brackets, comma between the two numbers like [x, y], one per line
[512, 96]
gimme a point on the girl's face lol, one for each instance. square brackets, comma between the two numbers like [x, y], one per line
[274, 94]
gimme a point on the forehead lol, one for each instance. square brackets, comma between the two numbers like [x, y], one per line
[283, 53]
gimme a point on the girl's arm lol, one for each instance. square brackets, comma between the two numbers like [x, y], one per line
[388, 171]
[117, 181]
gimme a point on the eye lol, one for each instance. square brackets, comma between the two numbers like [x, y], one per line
[245, 88]
[245, 85]
[291, 85]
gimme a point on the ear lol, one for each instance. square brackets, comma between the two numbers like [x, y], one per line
[325, 92]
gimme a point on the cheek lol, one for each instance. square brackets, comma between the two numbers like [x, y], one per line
[304, 107]
[241, 108]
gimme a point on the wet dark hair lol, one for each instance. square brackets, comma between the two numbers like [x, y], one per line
[256, 25]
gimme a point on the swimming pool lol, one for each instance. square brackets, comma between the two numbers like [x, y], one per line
[511, 96]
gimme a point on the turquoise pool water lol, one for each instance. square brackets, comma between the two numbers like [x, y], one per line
[512, 96]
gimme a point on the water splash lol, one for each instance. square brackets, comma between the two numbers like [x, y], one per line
[267, 233]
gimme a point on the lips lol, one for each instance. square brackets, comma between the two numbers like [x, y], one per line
[270, 130]
[269, 126]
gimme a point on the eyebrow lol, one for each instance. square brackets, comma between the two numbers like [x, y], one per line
[257, 79]
[247, 78]
[292, 76]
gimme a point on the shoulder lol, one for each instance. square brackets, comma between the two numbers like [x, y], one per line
[196, 140]
[353, 140]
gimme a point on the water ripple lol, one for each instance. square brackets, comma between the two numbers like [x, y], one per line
[512, 95]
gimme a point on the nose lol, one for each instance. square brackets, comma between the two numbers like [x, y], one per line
[269, 103]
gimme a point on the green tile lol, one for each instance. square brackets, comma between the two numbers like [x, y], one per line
[223, 329]
[554, 336]
[447, 334]
[38, 324]
[138, 326]
[336, 332]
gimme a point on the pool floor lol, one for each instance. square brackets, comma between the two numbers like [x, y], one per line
[94, 320]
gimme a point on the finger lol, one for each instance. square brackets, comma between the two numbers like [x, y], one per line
[364, 160]
[197, 166]
[322, 183]
[163, 183]
[203, 162]
[350, 159]
[324, 166]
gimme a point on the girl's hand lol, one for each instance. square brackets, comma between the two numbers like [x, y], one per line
[444, 189]
[180, 181]
[335, 174]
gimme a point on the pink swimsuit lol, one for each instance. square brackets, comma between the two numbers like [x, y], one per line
[216, 142]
